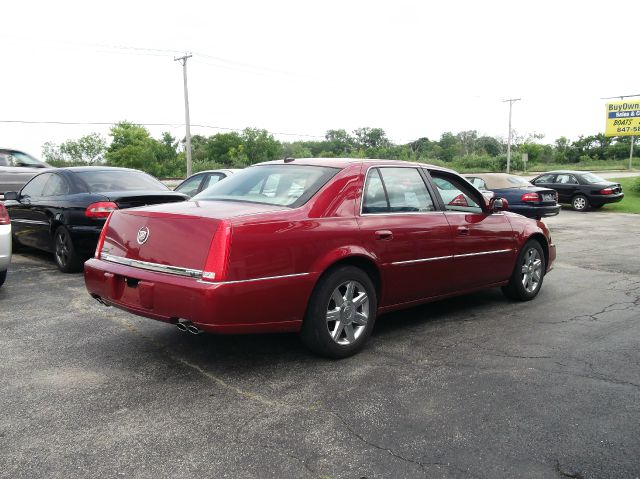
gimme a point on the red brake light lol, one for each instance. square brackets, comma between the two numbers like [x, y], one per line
[215, 268]
[532, 197]
[4, 215]
[606, 191]
[103, 233]
[101, 209]
[459, 200]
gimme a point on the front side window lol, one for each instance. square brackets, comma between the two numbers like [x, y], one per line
[55, 186]
[284, 185]
[455, 195]
[396, 190]
[212, 179]
[545, 179]
[34, 188]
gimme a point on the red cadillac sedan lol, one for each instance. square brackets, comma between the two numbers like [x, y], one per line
[319, 246]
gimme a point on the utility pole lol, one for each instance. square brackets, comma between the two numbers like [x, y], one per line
[183, 60]
[511, 102]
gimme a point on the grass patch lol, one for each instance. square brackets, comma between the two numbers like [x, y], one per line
[631, 200]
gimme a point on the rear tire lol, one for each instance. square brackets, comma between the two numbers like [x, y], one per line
[580, 203]
[528, 273]
[3, 276]
[341, 313]
[64, 252]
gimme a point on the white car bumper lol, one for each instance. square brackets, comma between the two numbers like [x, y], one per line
[5, 246]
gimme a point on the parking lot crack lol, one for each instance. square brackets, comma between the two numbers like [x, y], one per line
[564, 473]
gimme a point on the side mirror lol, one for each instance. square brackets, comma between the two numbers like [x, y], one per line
[498, 204]
[11, 195]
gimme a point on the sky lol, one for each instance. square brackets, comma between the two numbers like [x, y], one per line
[299, 68]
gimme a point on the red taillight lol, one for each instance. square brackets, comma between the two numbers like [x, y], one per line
[101, 239]
[101, 209]
[459, 200]
[215, 268]
[606, 191]
[4, 215]
[530, 197]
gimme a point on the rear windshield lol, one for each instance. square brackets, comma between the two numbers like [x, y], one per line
[591, 178]
[516, 182]
[100, 181]
[283, 185]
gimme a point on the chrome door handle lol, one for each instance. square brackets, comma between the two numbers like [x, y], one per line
[384, 235]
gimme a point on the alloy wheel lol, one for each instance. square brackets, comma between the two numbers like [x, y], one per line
[347, 312]
[531, 270]
[63, 248]
[579, 203]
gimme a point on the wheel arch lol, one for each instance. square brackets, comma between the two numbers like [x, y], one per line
[540, 238]
[361, 261]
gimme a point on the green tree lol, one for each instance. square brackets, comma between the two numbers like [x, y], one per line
[260, 145]
[366, 138]
[133, 147]
[86, 150]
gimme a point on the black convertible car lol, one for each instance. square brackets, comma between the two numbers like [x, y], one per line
[63, 210]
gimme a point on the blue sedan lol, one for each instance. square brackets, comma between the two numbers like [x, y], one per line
[523, 197]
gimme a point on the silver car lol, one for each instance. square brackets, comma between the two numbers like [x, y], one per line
[16, 168]
[5, 243]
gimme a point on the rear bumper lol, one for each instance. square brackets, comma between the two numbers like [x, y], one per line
[85, 238]
[5, 246]
[605, 199]
[535, 211]
[254, 306]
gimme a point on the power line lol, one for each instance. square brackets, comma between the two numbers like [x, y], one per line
[173, 125]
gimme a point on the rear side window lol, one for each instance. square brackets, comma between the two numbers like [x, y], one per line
[396, 190]
[566, 180]
[478, 183]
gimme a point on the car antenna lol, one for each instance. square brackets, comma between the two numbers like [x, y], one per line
[289, 159]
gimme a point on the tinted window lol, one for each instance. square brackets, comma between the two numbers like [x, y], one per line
[211, 180]
[55, 186]
[455, 195]
[285, 185]
[478, 183]
[545, 179]
[375, 198]
[566, 180]
[34, 188]
[190, 186]
[591, 178]
[99, 181]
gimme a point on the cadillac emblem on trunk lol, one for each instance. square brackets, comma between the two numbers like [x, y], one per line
[143, 235]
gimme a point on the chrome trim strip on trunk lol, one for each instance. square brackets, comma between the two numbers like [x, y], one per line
[295, 275]
[161, 268]
[422, 260]
[482, 253]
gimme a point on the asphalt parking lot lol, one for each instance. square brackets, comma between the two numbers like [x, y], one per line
[474, 387]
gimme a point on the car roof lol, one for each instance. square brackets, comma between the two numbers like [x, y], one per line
[76, 169]
[556, 172]
[345, 162]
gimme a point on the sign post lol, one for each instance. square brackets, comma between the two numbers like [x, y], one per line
[623, 119]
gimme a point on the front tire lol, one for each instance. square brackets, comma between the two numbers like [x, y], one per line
[528, 273]
[64, 252]
[341, 313]
[580, 203]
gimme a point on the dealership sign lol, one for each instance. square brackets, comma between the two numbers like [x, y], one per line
[623, 118]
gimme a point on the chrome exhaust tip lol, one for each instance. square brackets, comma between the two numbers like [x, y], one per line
[193, 329]
[182, 326]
